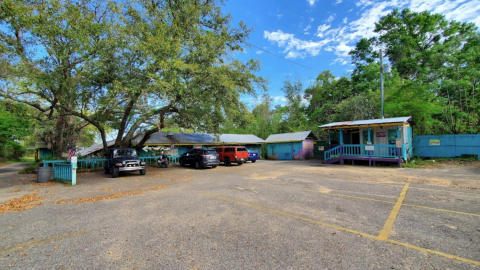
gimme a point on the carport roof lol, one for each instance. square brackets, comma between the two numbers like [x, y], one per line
[161, 138]
[357, 123]
[93, 149]
[290, 137]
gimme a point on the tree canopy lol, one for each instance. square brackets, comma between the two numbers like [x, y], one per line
[128, 66]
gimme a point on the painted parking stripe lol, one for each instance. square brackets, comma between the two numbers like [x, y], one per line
[393, 184]
[44, 241]
[446, 255]
[387, 227]
[375, 200]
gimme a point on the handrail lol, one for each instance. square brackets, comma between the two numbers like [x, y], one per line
[359, 150]
[333, 153]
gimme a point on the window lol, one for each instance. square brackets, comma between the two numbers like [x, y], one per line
[210, 152]
[125, 153]
[229, 149]
[241, 149]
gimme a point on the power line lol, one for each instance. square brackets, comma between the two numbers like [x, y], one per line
[281, 57]
[272, 18]
[302, 15]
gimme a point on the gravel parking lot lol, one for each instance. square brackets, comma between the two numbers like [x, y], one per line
[266, 215]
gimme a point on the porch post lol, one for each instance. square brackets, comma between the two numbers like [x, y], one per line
[329, 137]
[341, 136]
[369, 135]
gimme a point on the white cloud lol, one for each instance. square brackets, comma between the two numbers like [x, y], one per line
[342, 39]
[321, 30]
[331, 17]
[279, 16]
[308, 27]
[338, 2]
[259, 52]
[279, 100]
[294, 47]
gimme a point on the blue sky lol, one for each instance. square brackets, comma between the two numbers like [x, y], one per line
[318, 34]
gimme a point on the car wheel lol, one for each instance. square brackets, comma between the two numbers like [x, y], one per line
[240, 163]
[227, 161]
[114, 172]
[253, 161]
[143, 172]
[182, 163]
[197, 165]
[107, 170]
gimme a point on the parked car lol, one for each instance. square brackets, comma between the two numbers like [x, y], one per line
[200, 158]
[229, 154]
[123, 160]
[253, 156]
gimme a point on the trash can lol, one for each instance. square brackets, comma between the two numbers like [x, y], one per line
[44, 174]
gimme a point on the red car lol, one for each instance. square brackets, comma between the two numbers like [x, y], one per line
[229, 154]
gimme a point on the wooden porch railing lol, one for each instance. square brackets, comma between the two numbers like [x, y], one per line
[359, 150]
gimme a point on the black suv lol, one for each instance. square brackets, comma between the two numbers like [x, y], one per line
[200, 158]
[123, 160]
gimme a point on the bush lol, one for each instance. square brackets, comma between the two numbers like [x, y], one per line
[31, 169]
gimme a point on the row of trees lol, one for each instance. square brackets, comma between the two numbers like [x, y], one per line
[435, 79]
[73, 69]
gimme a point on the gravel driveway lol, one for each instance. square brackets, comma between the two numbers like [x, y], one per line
[266, 215]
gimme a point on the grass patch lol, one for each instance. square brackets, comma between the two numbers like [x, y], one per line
[436, 162]
[25, 159]
[30, 169]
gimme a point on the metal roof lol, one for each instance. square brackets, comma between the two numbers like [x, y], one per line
[288, 137]
[240, 138]
[93, 149]
[366, 122]
[161, 137]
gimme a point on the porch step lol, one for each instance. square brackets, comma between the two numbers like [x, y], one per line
[333, 160]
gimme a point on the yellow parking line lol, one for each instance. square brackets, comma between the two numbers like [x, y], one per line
[44, 241]
[332, 194]
[393, 184]
[290, 215]
[442, 210]
[431, 251]
[446, 255]
[375, 200]
[387, 227]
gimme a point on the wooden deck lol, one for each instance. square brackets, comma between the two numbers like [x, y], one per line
[381, 153]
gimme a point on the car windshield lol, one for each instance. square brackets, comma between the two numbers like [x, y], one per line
[125, 153]
[241, 149]
[211, 152]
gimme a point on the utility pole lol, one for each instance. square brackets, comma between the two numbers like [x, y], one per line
[381, 79]
[383, 69]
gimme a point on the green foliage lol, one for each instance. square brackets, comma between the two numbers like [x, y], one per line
[126, 66]
[30, 169]
[437, 62]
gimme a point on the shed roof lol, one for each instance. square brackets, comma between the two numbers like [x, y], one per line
[290, 137]
[385, 121]
[240, 138]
